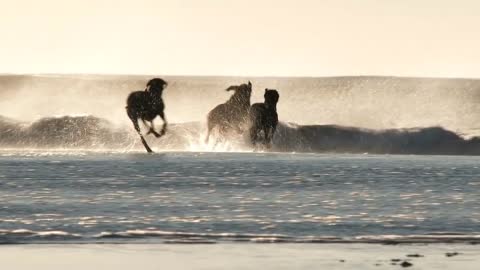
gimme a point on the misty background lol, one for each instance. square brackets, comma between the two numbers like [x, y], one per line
[365, 102]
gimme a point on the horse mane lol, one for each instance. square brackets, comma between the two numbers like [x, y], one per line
[241, 96]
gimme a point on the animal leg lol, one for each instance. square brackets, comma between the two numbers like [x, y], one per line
[269, 136]
[151, 129]
[209, 130]
[135, 125]
[164, 126]
[137, 128]
[253, 135]
[220, 138]
[149, 150]
[266, 136]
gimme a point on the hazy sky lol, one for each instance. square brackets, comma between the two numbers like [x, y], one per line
[242, 37]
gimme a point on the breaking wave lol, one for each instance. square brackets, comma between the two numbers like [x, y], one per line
[372, 114]
[23, 236]
[94, 133]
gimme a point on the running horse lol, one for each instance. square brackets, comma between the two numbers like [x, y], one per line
[231, 115]
[146, 106]
[264, 119]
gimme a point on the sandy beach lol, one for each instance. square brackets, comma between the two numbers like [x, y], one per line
[239, 256]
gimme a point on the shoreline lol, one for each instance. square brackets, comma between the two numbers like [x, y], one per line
[239, 256]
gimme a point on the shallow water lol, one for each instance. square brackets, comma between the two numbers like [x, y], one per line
[186, 197]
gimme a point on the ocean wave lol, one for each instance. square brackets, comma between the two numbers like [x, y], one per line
[169, 237]
[93, 133]
[28, 236]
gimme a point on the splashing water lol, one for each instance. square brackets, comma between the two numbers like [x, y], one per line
[392, 115]
[197, 143]
[367, 102]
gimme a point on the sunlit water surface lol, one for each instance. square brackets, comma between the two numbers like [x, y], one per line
[72, 197]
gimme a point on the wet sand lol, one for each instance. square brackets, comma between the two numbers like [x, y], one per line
[240, 256]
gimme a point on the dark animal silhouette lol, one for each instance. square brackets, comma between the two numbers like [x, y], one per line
[147, 105]
[263, 118]
[231, 115]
